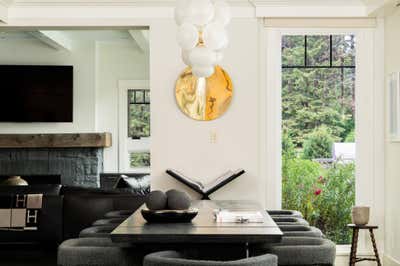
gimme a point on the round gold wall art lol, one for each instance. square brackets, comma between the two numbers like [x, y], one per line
[204, 99]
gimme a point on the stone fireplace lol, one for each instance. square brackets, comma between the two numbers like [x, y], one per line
[76, 165]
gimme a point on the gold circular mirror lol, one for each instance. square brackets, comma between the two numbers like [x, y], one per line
[204, 99]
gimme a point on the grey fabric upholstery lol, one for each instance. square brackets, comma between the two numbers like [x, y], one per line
[301, 251]
[287, 213]
[98, 231]
[301, 230]
[119, 214]
[290, 221]
[109, 221]
[94, 252]
[173, 258]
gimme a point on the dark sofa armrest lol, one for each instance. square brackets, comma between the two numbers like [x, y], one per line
[51, 218]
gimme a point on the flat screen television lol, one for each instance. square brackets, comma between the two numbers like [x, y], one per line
[36, 93]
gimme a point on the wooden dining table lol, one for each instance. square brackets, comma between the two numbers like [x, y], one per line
[202, 230]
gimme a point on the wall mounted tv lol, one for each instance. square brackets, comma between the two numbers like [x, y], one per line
[36, 93]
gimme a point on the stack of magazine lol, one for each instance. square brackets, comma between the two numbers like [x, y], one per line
[238, 216]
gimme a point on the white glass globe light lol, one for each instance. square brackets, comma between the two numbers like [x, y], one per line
[199, 12]
[185, 57]
[218, 57]
[180, 11]
[187, 36]
[222, 12]
[215, 36]
[203, 72]
[202, 56]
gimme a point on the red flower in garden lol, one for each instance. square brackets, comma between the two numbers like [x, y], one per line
[317, 192]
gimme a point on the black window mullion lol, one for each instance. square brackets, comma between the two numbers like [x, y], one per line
[330, 51]
[305, 50]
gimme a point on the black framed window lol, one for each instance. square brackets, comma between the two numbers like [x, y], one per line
[138, 113]
[338, 51]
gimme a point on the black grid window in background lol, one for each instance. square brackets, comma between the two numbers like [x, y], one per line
[138, 113]
[339, 51]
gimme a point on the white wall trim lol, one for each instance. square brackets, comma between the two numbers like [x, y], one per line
[123, 145]
[370, 65]
[322, 23]
[389, 261]
[310, 8]
[51, 9]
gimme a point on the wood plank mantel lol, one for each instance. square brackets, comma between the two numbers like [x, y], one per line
[78, 140]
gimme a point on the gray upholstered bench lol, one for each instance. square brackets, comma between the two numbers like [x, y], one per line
[95, 252]
[98, 231]
[119, 214]
[279, 220]
[301, 230]
[286, 213]
[108, 221]
[300, 251]
[173, 258]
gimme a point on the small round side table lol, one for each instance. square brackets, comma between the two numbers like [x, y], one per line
[353, 253]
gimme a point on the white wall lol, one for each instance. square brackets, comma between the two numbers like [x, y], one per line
[392, 151]
[184, 144]
[115, 61]
[32, 51]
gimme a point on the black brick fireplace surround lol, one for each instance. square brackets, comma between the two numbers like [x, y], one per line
[75, 166]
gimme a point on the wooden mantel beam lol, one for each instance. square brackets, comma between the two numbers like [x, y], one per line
[79, 140]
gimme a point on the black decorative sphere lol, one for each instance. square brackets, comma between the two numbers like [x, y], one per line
[178, 200]
[156, 200]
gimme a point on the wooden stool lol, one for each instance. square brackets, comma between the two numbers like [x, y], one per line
[353, 253]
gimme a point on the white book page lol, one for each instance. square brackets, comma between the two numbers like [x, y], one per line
[218, 180]
[189, 180]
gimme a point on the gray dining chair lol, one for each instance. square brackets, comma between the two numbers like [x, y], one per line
[304, 251]
[301, 230]
[98, 231]
[95, 252]
[119, 214]
[286, 213]
[174, 258]
[108, 221]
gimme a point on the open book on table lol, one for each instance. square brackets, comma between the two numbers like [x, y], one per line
[210, 187]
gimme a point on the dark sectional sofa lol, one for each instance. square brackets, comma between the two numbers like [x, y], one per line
[66, 211]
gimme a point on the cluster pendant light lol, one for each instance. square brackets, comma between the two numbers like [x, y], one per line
[202, 34]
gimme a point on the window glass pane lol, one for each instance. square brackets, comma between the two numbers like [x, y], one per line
[293, 51]
[318, 50]
[147, 97]
[139, 120]
[140, 159]
[139, 98]
[131, 96]
[343, 50]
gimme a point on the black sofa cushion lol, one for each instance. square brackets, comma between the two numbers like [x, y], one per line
[80, 211]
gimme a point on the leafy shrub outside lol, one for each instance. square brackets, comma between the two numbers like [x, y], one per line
[318, 144]
[325, 196]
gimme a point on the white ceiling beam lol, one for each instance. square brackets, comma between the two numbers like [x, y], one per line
[53, 39]
[380, 8]
[141, 38]
[4, 4]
